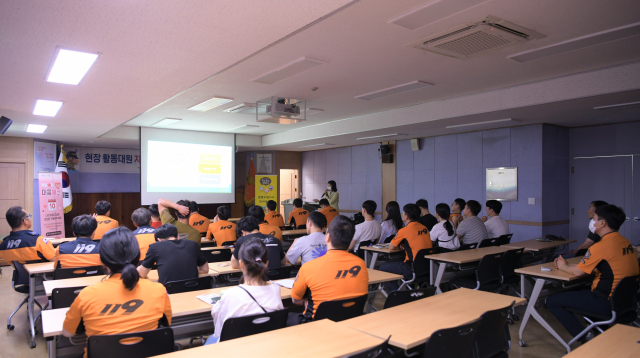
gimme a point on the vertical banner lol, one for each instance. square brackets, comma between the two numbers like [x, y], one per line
[44, 157]
[266, 189]
[51, 207]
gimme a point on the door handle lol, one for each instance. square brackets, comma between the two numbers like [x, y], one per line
[636, 219]
[626, 219]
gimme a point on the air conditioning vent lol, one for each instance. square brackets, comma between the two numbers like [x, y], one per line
[476, 38]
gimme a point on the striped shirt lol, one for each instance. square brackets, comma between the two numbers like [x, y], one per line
[472, 230]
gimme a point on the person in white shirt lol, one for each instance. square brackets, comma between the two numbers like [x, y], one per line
[444, 233]
[370, 229]
[254, 295]
[496, 226]
[392, 223]
[313, 245]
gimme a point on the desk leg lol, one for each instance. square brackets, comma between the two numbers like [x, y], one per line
[30, 310]
[431, 272]
[532, 312]
[51, 346]
[366, 257]
[374, 257]
[441, 269]
[522, 279]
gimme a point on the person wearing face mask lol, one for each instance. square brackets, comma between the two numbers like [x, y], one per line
[592, 237]
[611, 259]
[331, 194]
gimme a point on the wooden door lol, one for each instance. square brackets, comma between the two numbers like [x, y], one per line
[11, 191]
[287, 186]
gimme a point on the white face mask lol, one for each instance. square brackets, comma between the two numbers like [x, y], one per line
[592, 228]
[328, 188]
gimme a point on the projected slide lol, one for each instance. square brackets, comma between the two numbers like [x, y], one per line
[502, 184]
[188, 168]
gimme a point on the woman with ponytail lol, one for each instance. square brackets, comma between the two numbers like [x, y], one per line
[255, 294]
[122, 302]
[444, 233]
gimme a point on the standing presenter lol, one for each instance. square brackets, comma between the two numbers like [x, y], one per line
[331, 194]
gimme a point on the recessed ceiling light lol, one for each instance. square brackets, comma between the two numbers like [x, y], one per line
[166, 122]
[477, 123]
[311, 111]
[316, 145]
[406, 87]
[432, 11]
[46, 108]
[70, 67]
[290, 69]
[383, 136]
[619, 105]
[36, 128]
[210, 104]
[242, 128]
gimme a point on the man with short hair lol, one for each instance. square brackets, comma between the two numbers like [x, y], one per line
[176, 259]
[272, 216]
[258, 214]
[471, 229]
[197, 221]
[144, 232]
[370, 229]
[185, 231]
[299, 215]
[611, 258]
[155, 216]
[336, 275]
[249, 228]
[329, 212]
[22, 244]
[83, 251]
[221, 230]
[105, 223]
[592, 237]
[426, 218]
[313, 245]
[495, 224]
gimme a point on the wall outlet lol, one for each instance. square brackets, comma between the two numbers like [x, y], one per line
[532, 201]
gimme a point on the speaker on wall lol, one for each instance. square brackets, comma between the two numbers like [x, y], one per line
[385, 149]
[415, 144]
[5, 123]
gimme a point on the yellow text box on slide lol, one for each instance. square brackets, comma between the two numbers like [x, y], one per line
[210, 169]
[210, 159]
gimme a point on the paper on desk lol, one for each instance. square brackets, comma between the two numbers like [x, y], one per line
[210, 299]
[381, 246]
[286, 283]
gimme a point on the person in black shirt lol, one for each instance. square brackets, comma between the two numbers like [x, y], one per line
[176, 259]
[249, 228]
[426, 218]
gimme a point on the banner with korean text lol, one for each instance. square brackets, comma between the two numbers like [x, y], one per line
[266, 189]
[51, 207]
[102, 160]
[44, 157]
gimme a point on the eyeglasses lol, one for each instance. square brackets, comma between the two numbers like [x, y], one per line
[29, 216]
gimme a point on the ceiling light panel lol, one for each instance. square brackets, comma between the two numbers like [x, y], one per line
[242, 128]
[210, 104]
[36, 128]
[383, 136]
[478, 123]
[166, 122]
[411, 86]
[619, 105]
[289, 70]
[46, 108]
[70, 67]
[316, 145]
[432, 11]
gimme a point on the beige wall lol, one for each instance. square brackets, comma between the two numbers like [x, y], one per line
[17, 152]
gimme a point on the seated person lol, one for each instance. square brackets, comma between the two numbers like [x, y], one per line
[272, 216]
[299, 215]
[177, 259]
[254, 295]
[456, 211]
[197, 221]
[611, 258]
[221, 229]
[22, 244]
[329, 212]
[105, 223]
[591, 237]
[471, 229]
[392, 223]
[83, 251]
[258, 214]
[426, 218]
[443, 233]
[249, 228]
[495, 224]
[370, 229]
[144, 232]
[183, 210]
[317, 279]
[313, 245]
[416, 236]
[134, 305]
[155, 216]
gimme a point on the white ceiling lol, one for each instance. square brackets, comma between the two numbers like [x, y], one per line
[159, 60]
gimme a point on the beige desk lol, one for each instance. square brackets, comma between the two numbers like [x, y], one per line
[233, 220]
[535, 245]
[294, 232]
[57, 242]
[371, 254]
[412, 324]
[619, 340]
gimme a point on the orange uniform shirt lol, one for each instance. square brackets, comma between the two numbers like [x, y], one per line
[274, 218]
[222, 231]
[25, 245]
[199, 222]
[336, 275]
[299, 215]
[145, 236]
[105, 224]
[330, 213]
[417, 235]
[109, 308]
[274, 231]
[82, 252]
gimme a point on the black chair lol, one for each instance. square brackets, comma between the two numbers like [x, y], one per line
[388, 239]
[279, 273]
[20, 284]
[217, 255]
[468, 246]
[239, 327]
[379, 351]
[131, 345]
[492, 338]
[489, 242]
[487, 275]
[456, 342]
[339, 310]
[361, 252]
[397, 298]
[228, 243]
[420, 266]
[624, 303]
[301, 227]
[581, 252]
[504, 239]
[196, 284]
[64, 297]
[511, 260]
[60, 273]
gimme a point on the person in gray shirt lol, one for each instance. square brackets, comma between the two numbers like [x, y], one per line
[472, 229]
[313, 245]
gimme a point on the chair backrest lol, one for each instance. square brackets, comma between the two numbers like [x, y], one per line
[397, 298]
[229, 243]
[379, 351]
[279, 273]
[131, 345]
[239, 327]
[20, 278]
[301, 227]
[452, 342]
[511, 260]
[488, 242]
[491, 337]
[421, 263]
[339, 310]
[468, 246]
[64, 297]
[361, 252]
[217, 255]
[489, 269]
[581, 252]
[389, 238]
[196, 284]
[60, 273]
[504, 239]
[624, 297]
